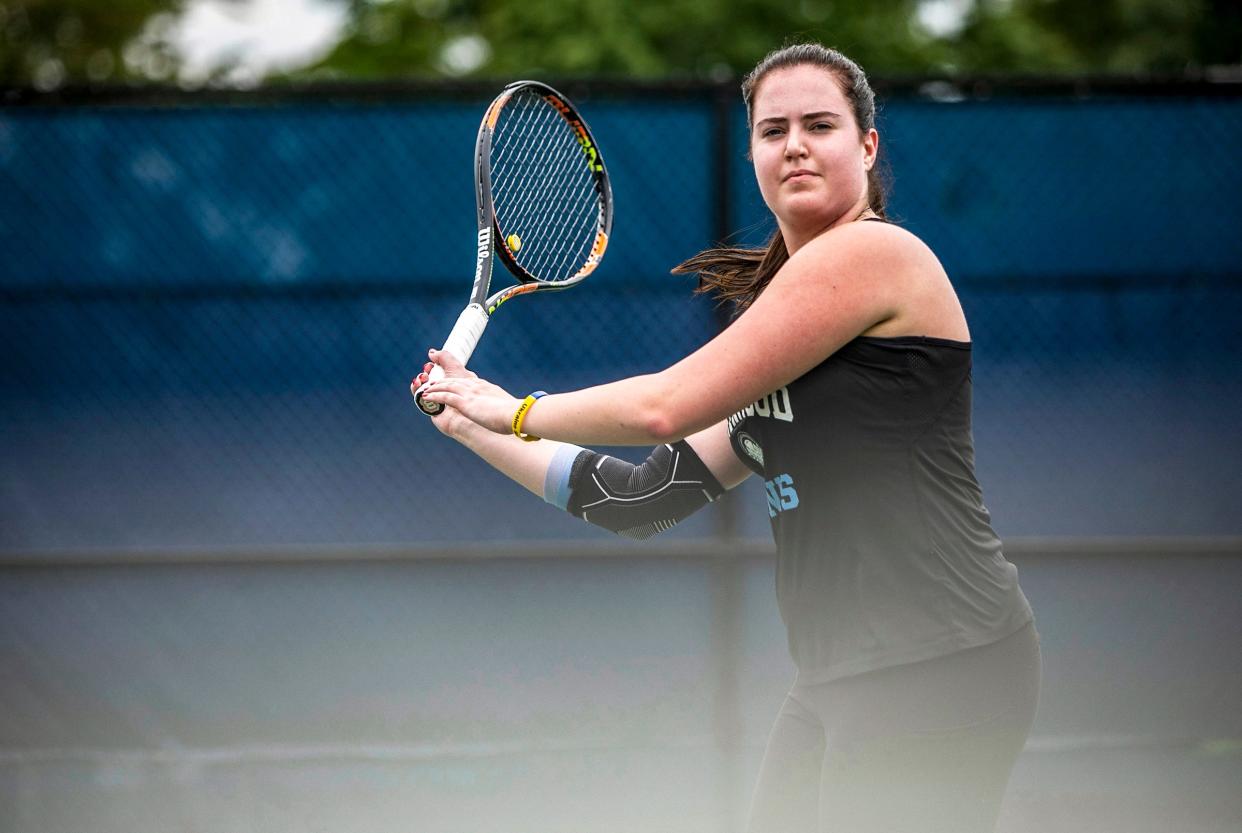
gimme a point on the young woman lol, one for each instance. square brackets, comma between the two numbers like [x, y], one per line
[844, 382]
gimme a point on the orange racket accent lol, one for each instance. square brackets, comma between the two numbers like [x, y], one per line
[521, 289]
[493, 112]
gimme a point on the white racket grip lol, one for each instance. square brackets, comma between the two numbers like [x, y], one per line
[461, 343]
[465, 335]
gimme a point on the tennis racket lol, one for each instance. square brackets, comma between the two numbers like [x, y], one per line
[544, 207]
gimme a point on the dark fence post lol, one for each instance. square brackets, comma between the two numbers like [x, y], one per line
[727, 572]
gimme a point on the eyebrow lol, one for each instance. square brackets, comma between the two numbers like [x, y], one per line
[806, 117]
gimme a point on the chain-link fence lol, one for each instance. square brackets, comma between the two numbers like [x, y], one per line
[212, 310]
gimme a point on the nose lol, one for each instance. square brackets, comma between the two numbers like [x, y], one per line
[794, 145]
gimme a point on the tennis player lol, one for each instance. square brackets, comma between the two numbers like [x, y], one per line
[845, 383]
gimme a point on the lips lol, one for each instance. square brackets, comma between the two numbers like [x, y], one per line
[801, 172]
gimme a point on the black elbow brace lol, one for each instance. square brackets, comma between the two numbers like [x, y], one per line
[639, 501]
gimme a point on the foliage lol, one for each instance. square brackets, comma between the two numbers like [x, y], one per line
[619, 38]
[1105, 36]
[50, 42]
[723, 38]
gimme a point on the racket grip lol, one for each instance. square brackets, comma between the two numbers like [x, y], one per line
[461, 343]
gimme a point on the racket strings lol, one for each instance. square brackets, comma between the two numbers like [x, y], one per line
[540, 198]
[543, 188]
[552, 166]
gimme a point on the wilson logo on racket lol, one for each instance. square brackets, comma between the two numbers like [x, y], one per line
[484, 251]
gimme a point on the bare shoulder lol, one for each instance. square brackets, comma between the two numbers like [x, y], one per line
[880, 247]
[900, 272]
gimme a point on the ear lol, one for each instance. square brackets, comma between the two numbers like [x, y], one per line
[871, 147]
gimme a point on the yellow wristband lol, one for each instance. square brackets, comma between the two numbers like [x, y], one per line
[520, 415]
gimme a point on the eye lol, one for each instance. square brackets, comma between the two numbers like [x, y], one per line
[821, 127]
[768, 132]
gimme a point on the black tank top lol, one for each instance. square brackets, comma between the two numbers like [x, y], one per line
[885, 551]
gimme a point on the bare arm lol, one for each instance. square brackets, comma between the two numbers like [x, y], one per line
[527, 463]
[524, 463]
[839, 286]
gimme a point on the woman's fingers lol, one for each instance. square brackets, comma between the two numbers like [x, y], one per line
[476, 399]
[451, 364]
[421, 379]
[464, 385]
[449, 385]
[448, 362]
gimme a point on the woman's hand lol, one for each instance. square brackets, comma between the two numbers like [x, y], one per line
[449, 421]
[468, 399]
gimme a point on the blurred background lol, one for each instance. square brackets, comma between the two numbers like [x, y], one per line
[245, 585]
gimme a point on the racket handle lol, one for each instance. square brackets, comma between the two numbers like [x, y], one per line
[461, 343]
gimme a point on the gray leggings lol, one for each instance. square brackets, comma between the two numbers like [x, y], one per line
[919, 748]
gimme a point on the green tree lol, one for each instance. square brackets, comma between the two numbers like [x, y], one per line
[45, 43]
[1218, 34]
[1104, 36]
[619, 38]
[708, 38]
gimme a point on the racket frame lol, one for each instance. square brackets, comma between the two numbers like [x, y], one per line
[491, 241]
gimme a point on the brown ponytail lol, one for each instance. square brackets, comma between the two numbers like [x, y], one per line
[736, 273]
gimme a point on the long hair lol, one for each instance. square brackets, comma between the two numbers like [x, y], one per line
[739, 273]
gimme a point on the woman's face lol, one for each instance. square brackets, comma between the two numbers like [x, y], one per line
[809, 158]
